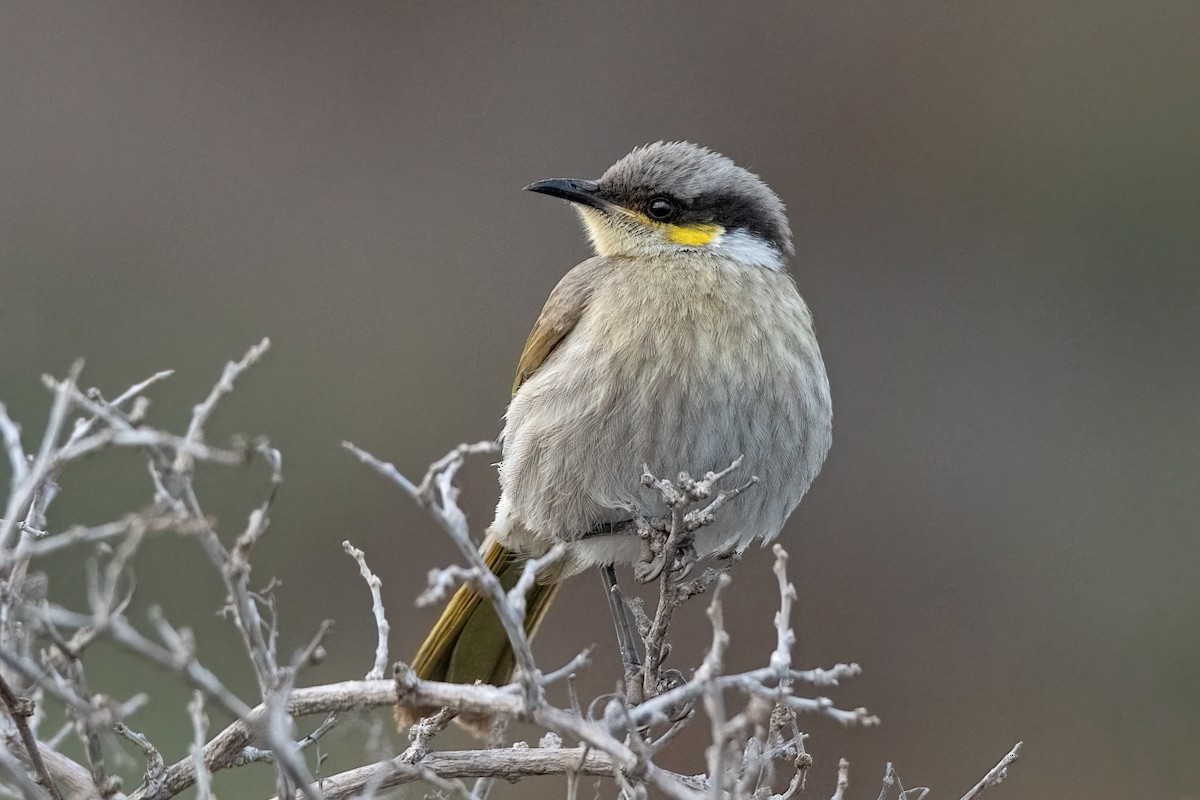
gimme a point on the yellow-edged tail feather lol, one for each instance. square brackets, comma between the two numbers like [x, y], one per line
[468, 644]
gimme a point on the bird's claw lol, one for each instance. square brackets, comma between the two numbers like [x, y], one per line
[654, 559]
[649, 568]
[685, 559]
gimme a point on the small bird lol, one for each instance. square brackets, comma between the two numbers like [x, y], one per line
[681, 345]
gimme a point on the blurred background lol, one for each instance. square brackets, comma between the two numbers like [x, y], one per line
[996, 210]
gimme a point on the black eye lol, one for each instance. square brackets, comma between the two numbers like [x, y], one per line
[660, 208]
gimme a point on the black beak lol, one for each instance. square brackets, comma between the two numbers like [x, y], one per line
[577, 191]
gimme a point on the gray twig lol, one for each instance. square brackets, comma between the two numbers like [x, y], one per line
[996, 774]
[154, 760]
[224, 386]
[752, 715]
[19, 710]
[381, 623]
[27, 786]
[843, 780]
[439, 495]
[508, 764]
[201, 774]
[11, 433]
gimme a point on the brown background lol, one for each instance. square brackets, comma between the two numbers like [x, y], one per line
[996, 214]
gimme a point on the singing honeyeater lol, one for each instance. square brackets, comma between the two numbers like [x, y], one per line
[681, 345]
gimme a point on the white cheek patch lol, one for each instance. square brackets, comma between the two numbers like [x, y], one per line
[746, 248]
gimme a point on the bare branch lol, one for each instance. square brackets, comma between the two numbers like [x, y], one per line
[510, 764]
[444, 581]
[30, 789]
[843, 779]
[151, 522]
[11, 433]
[485, 448]
[154, 759]
[138, 388]
[996, 774]
[20, 501]
[224, 386]
[714, 701]
[381, 624]
[138, 438]
[669, 556]
[752, 715]
[438, 494]
[20, 709]
[785, 637]
[385, 469]
[482, 699]
[227, 747]
[422, 732]
[201, 773]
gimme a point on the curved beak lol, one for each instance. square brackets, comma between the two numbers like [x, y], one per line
[573, 189]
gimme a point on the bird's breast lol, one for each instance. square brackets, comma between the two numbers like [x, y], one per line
[681, 365]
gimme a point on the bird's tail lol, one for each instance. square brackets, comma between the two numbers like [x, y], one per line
[468, 643]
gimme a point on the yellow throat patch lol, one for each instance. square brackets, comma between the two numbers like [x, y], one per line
[694, 235]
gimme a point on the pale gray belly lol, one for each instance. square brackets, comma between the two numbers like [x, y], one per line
[681, 393]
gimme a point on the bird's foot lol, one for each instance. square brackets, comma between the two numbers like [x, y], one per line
[685, 558]
[653, 558]
[656, 538]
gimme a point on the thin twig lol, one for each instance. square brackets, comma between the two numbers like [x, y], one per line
[508, 764]
[226, 748]
[714, 701]
[996, 774]
[20, 500]
[843, 780]
[11, 433]
[30, 789]
[152, 521]
[381, 624]
[20, 709]
[138, 388]
[751, 715]
[154, 759]
[444, 508]
[224, 386]
[201, 774]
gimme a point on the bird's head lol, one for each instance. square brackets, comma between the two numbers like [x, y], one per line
[677, 196]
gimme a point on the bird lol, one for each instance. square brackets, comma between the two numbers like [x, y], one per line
[683, 343]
